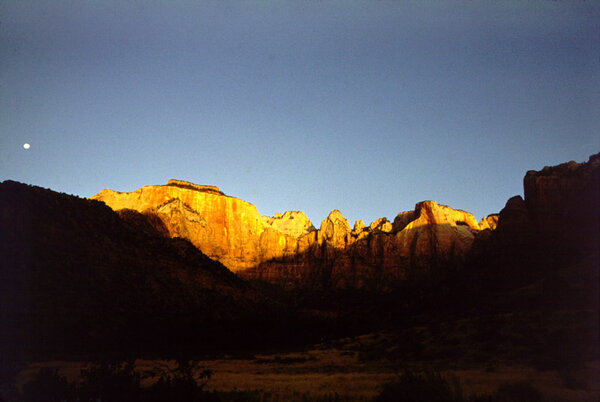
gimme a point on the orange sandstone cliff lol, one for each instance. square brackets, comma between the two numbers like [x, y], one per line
[288, 250]
[374, 257]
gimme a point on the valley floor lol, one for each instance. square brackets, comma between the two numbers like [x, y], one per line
[341, 370]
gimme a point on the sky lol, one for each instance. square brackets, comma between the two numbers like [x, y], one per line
[367, 107]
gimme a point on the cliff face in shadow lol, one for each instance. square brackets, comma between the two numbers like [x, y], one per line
[563, 203]
[76, 277]
[287, 249]
[544, 260]
[555, 226]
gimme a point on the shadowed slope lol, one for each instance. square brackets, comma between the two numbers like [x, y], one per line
[77, 278]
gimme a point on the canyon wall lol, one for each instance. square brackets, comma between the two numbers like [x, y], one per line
[553, 232]
[288, 250]
[377, 256]
[563, 203]
[559, 210]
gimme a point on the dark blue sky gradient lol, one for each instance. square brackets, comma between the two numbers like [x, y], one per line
[367, 107]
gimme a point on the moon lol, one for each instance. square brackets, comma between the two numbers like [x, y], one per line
[26, 146]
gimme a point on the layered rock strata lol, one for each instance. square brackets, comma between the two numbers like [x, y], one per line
[288, 250]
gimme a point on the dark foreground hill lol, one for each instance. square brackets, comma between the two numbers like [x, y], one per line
[76, 278]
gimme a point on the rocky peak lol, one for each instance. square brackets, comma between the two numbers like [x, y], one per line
[432, 213]
[359, 226]
[403, 219]
[335, 229]
[489, 222]
[336, 217]
[381, 225]
[514, 213]
[291, 223]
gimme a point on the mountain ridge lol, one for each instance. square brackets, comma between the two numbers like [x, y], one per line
[233, 232]
[288, 250]
[93, 280]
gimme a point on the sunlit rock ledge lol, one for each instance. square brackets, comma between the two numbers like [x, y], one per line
[233, 232]
[192, 186]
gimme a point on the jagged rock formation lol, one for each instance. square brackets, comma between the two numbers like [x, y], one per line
[377, 256]
[287, 249]
[291, 223]
[489, 222]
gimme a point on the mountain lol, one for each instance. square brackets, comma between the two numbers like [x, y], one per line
[541, 266]
[537, 261]
[555, 225]
[432, 237]
[76, 277]
[563, 204]
[287, 249]
[133, 275]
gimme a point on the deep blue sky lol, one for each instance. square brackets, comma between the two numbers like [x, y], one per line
[367, 107]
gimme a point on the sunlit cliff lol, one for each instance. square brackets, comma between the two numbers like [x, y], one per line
[287, 248]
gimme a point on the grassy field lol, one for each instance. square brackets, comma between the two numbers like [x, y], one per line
[341, 370]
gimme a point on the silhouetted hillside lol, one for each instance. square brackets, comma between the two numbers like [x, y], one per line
[76, 278]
